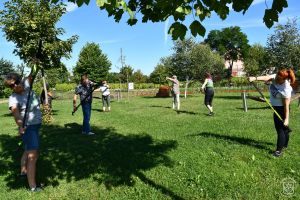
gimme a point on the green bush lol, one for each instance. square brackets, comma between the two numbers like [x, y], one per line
[65, 87]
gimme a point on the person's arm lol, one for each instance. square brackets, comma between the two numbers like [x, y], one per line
[74, 102]
[286, 104]
[204, 84]
[261, 78]
[18, 119]
[171, 79]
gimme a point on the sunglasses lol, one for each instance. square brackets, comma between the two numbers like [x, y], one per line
[13, 85]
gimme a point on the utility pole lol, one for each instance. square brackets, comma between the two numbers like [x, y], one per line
[127, 75]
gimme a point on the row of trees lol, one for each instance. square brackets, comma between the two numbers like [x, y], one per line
[30, 25]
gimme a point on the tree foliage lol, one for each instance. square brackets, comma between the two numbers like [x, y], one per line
[30, 25]
[126, 73]
[139, 77]
[92, 61]
[57, 75]
[180, 10]
[283, 46]
[204, 60]
[256, 62]
[161, 71]
[181, 59]
[230, 42]
[5, 68]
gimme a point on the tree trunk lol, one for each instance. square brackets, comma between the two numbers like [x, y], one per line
[45, 88]
[186, 86]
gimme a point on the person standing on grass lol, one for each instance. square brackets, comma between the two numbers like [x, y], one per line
[208, 88]
[280, 97]
[30, 132]
[85, 90]
[175, 92]
[105, 96]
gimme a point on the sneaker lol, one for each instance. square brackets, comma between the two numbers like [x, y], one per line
[211, 114]
[90, 133]
[277, 153]
[36, 189]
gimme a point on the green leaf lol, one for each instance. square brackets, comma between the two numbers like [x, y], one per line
[101, 3]
[197, 28]
[177, 30]
[269, 17]
[180, 9]
[278, 5]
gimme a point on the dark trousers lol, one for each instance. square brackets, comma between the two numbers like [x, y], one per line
[209, 96]
[282, 131]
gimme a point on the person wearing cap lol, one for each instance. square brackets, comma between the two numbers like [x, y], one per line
[30, 131]
[175, 92]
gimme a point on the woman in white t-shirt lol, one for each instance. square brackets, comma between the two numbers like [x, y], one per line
[280, 97]
[30, 130]
[105, 96]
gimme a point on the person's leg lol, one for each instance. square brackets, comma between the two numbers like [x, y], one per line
[31, 137]
[210, 101]
[103, 103]
[174, 101]
[24, 163]
[32, 157]
[86, 117]
[178, 101]
[206, 102]
[280, 129]
[108, 102]
[287, 138]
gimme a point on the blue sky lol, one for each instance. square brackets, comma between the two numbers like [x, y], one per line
[145, 43]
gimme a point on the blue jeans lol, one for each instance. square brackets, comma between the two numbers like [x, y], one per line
[86, 109]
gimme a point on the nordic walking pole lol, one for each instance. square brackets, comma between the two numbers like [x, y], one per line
[268, 102]
[74, 110]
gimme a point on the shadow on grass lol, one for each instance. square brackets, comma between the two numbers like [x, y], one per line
[185, 112]
[156, 106]
[238, 140]
[255, 108]
[107, 157]
[228, 97]
[7, 115]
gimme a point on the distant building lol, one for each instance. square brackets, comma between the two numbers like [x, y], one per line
[237, 69]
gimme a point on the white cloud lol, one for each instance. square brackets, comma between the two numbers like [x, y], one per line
[71, 6]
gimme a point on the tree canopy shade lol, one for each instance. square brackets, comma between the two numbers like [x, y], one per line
[30, 25]
[92, 61]
[161, 10]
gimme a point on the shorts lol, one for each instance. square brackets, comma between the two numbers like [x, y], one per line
[31, 139]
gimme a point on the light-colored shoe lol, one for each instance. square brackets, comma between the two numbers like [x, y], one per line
[90, 133]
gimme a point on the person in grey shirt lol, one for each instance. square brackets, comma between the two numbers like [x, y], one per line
[85, 91]
[30, 130]
[175, 92]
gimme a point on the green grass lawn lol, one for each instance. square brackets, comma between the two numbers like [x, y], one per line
[145, 150]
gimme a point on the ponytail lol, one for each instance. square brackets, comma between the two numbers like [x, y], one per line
[291, 76]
